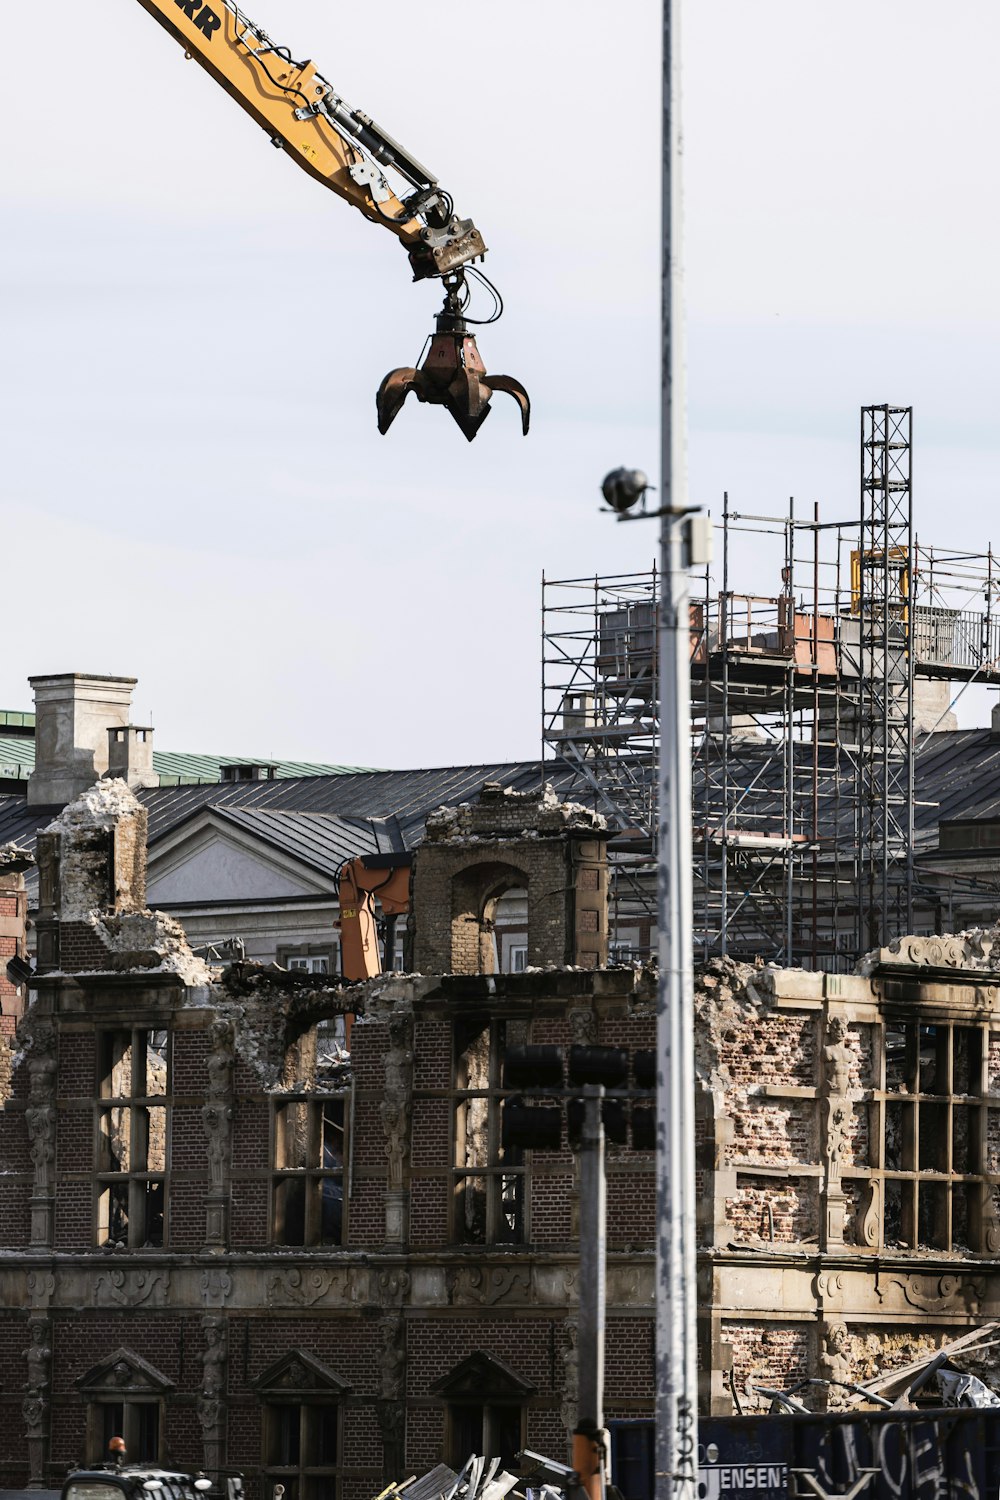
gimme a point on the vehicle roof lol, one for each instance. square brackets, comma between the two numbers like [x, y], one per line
[129, 1474]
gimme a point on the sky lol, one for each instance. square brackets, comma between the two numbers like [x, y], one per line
[193, 488]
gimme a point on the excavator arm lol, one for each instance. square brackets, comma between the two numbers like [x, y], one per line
[386, 876]
[349, 153]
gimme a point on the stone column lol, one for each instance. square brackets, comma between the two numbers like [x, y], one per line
[37, 1389]
[211, 1397]
[217, 1117]
[392, 1398]
[396, 1112]
[40, 1121]
[837, 1111]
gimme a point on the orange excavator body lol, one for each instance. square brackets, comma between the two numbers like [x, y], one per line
[362, 880]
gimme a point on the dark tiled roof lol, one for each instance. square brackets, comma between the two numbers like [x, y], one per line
[327, 819]
[323, 820]
[320, 840]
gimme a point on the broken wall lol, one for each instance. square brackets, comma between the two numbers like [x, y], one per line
[473, 854]
[847, 1141]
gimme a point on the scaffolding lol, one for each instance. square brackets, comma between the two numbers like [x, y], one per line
[884, 599]
[804, 711]
[600, 718]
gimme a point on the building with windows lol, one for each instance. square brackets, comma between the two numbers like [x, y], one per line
[849, 1155]
[264, 1223]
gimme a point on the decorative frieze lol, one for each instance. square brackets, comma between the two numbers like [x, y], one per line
[132, 1288]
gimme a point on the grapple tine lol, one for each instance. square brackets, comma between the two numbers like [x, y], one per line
[393, 391]
[516, 389]
[452, 374]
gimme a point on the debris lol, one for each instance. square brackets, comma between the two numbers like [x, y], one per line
[906, 1381]
[965, 1390]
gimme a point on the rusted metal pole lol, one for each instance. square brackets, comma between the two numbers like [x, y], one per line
[588, 1437]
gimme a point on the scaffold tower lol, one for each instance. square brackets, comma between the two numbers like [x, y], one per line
[884, 598]
[804, 714]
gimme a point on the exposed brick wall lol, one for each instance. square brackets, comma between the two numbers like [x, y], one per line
[13, 916]
[771, 1133]
[788, 1205]
[770, 1354]
[80, 949]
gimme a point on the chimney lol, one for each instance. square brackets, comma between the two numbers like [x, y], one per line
[130, 756]
[73, 713]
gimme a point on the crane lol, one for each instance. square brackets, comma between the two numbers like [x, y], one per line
[350, 154]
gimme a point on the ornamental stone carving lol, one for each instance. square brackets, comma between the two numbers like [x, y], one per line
[393, 1287]
[571, 1374]
[871, 1214]
[976, 950]
[38, 1354]
[217, 1121]
[220, 1059]
[295, 1288]
[392, 1359]
[120, 1288]
[397, 1106]
[837, 1118]
[396, 1112]
[481, 1286]
[216, 1288]
[392, 1428]
[41, 1289]
[213, 1378]
[933, 1294]
[583, 1026]
[836, 1365]
[40, 1115]
[837, 1059]
[35, 1405]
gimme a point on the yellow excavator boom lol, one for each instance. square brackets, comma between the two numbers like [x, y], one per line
[349, 153]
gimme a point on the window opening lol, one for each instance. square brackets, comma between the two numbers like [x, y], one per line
[309, 1171]
[138, 1422]
[930, 1125]
[485, 1427]
[632, 1457]
[301, 1450]
[318, 963]
[489, 1192]
[132, 1137]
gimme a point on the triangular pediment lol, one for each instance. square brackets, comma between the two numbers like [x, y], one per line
[124, 1373]
[298, 1374]
[210, 860]
[482, 1377]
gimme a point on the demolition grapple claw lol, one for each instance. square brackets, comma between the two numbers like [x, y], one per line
[452, 374]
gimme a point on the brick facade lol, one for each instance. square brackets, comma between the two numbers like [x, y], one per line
[211, 1319]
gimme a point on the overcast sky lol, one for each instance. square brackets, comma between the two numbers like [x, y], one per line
[194, 489]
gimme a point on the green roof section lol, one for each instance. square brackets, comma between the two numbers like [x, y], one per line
[17, 757]
[175, 768]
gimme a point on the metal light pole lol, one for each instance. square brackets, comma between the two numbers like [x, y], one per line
[588, 1451]
[676, 1334]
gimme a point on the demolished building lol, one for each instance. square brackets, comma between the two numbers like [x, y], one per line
[267, 1225]
[849, 1152]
